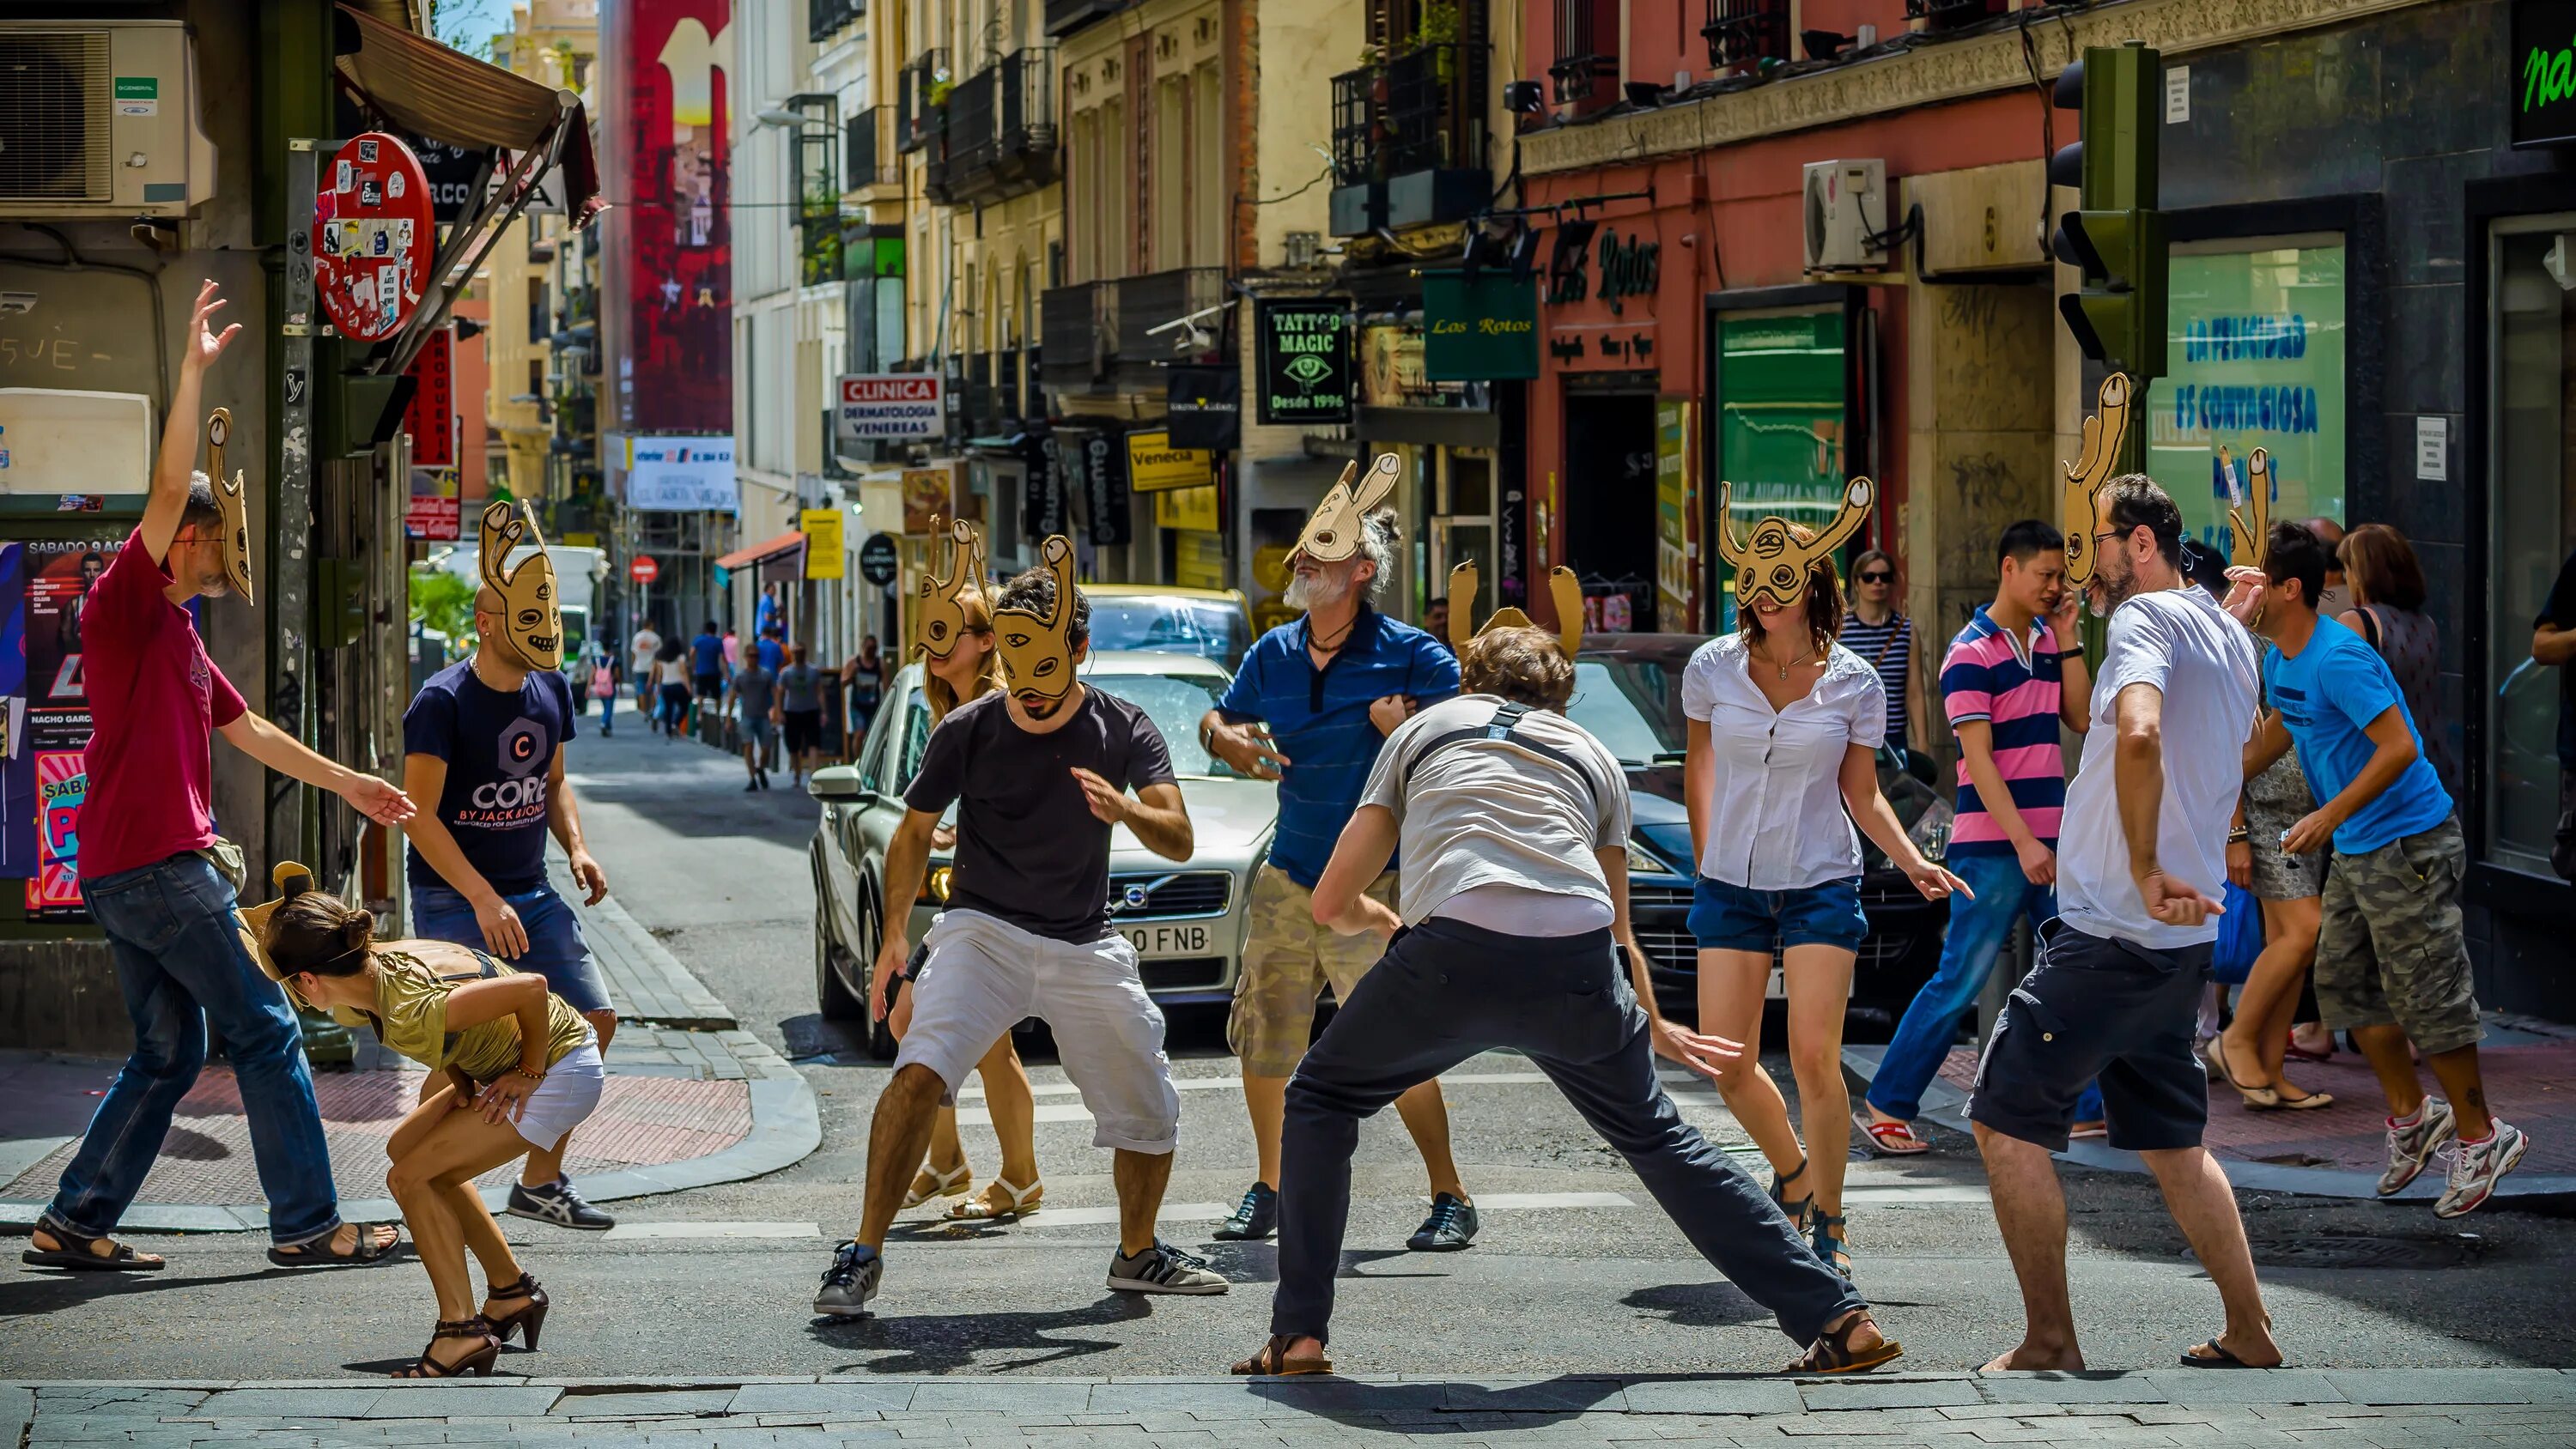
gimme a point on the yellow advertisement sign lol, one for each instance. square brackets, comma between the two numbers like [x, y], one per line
[1153, 464]
[822, 530]
[1186, 508]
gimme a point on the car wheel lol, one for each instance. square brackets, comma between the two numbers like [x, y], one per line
[881, 1043]
[832, 993]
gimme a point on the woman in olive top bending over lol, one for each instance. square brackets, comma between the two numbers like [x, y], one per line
[522, 1070]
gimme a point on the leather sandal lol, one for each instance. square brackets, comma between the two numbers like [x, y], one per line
[1780, 1181]
[1828, 1243]
[81, 1254]
[1832, 1352]
[477, 1362]
[1273, 1360]
[942, 1184]
[529, 1316]
[365, 1252]
[979, 1209]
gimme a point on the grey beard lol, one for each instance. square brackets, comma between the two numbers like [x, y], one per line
[1312, 591]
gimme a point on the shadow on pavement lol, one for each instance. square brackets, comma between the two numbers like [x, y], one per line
[939, 1343]
[1717, 1304]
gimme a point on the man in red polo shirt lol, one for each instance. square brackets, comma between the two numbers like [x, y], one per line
[155, 702]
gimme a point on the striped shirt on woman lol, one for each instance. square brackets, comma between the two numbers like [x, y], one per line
[2017, 692]
[1889, 649]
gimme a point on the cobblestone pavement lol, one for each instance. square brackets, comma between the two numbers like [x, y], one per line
[2382, 1409]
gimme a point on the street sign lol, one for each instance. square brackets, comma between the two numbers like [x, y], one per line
[373, 236]
[889, 406]
[644, 570]
[877, 560]
[430, 518]
[430, 417]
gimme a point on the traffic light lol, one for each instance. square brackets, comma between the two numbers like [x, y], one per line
[2116, 237]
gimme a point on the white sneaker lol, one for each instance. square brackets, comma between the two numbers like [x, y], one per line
[2476, 1167]
[2410, 1147]
[1163, 1268]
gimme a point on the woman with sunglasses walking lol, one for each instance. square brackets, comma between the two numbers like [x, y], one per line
[1883, 636]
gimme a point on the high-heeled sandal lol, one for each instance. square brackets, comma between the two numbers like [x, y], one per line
[943, 1184]
[1828, 1243]
[477, 1362]
[1779, 1183]
[1024, 1201]
[530, 1316]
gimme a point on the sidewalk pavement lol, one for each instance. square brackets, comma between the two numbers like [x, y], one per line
[2335, 1151]
[2377, 1407]
[683, 1108]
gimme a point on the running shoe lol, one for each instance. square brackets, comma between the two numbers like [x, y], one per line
[2476, 1167]
[1451, 1226]
[1163, 1268]
[2413, 1145]
[851, 1282]
[559, 1203]
[1256, 1217]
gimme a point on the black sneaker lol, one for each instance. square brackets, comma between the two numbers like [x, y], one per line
[1256, 1217]
[1163, 1268]
[850, 1283]
[1451, 1226]
[559, 1203]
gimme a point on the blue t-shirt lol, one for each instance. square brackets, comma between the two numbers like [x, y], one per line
[1320, 721]
[2327, 696]
[706, 655]
[770, 653]
[498, 747]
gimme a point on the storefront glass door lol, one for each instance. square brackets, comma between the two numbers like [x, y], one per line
[2532, 529]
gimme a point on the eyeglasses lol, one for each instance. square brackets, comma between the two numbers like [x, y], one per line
[2114, 533]
[1877, 576]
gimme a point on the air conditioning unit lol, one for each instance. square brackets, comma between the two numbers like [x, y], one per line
[1846, 216]
[99, 119]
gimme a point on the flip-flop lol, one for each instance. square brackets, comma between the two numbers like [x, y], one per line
[1273, 1361]
[2217, 1358]
[75, 1254]
[1890, 1139]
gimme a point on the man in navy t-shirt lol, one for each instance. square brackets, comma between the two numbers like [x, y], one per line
[706, 662]
[484, 741]
[1330, 687]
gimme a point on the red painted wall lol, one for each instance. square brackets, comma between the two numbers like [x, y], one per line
[666, 284]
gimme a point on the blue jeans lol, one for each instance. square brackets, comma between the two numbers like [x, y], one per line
[1977, 931]
[180, 963]
[556, 949]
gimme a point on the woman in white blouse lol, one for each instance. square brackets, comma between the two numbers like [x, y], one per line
[1784, 726]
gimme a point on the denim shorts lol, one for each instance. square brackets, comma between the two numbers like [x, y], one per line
[1738, 918]
[556, 949]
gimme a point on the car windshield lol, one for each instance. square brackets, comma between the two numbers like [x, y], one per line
[1170, 624]
[1626, 704]
[1174, 702]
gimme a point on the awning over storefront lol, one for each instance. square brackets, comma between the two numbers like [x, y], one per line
[450, 96]
[761, 553]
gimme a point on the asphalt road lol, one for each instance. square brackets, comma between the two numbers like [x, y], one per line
[1598, 1282]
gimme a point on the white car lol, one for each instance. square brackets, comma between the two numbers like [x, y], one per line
[1185, 918]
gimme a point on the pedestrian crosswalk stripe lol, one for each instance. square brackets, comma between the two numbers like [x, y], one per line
[1489, 1202]
[714, 1230]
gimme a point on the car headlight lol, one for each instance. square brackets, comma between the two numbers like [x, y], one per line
[1644, 861]
[938, 882]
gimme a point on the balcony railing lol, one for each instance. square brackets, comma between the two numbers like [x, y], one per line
[1435, 109]
[1409, 139]
[1151, 300]
[1586, 71]
[1063, 17]
[1078, 334]
[1357, 98]
[920, 88]
[1001, 127]
[1951, 14]
[1744, 32]
[937, 175]
[823, 17]
[869, 159]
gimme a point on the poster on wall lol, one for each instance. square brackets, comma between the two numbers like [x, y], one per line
[2254, 358]
[669, 108]
[44, 777]
[1676, 510]
[1780, 422]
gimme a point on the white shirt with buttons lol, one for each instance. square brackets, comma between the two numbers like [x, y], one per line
[1776, 819]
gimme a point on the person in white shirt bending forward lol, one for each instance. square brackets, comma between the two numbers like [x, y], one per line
[1513, 826]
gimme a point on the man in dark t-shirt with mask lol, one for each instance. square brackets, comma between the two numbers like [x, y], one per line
[1040, 775]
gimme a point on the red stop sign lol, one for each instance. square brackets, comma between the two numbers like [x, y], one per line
[643, 570]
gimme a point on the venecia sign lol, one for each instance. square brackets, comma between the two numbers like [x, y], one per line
[2542, 79]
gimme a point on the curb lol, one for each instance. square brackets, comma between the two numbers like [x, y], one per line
[1947, 1106]
[646, 982]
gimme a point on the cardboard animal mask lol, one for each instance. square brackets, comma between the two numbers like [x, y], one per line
[2249, 507]
[529, 611]
[2086, 475]
[1037, 649]
[1769, 562]
[942, 614]
[232, 502]
[1333, 533]
[1561, 585]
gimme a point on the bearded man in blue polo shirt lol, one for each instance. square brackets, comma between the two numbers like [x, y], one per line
[1315, 699]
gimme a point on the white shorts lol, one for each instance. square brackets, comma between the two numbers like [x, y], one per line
[984, 975]
[569, 1094]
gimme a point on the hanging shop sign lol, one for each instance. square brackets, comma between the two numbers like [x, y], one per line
[1041, 490]
[1392, 372]
[878, 560]
[450, 172]
[926, 493]
[1302, 361]
[1095, 470]
[1193, 508]
[373, 235]
[1204, 407]
[430, 417]
[889, 406]
[681, 474]
[2541, 77]
[822, 530]
[432, 511]
[1479, 329]
[1153, 464]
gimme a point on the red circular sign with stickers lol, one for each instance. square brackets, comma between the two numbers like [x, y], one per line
[373, 237]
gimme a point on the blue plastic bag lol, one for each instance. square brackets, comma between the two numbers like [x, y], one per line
[2240, 937]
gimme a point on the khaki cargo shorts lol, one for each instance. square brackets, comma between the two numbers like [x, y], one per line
[2390, 949]
[1288, 960]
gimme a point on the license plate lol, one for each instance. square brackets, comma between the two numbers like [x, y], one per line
[1155, 943]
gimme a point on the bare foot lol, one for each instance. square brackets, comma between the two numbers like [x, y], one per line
[45, 1242]
[2028, 1357]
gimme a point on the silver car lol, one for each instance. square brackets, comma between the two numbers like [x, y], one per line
[1186, 918]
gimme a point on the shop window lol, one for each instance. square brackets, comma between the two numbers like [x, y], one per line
[2532, 527]
[1782, 412]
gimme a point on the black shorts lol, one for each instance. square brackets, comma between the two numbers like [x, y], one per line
[804, 730]
[2098, 1008]
[710, 686]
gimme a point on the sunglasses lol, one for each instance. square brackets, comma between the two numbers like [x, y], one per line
[1877, 576]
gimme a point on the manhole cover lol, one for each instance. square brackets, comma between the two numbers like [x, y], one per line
[2366, 1250]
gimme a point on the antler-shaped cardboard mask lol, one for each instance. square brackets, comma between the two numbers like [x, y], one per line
[1770, 563]
[2086, 475]
[2249, 507]
[1037, 649]
[292, 880]
[941, 616]
[1561, 584]
[231, 502]
[1333, 534]
[529, 611]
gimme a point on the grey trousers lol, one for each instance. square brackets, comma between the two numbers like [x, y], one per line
[1445, 992]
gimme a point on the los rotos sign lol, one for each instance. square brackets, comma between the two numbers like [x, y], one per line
[1479, 329]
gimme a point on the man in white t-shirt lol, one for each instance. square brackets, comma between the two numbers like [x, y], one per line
[2141, 850]
[1512, 824]
[639, 664]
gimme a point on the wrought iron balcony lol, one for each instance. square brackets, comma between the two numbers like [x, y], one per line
[1078, 334]
[1001, 128]
[1063, 17]
[869, 158]
[1744, 32]
[824, 17]
[920, 90]
[1586, 71]
[1409, 139]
